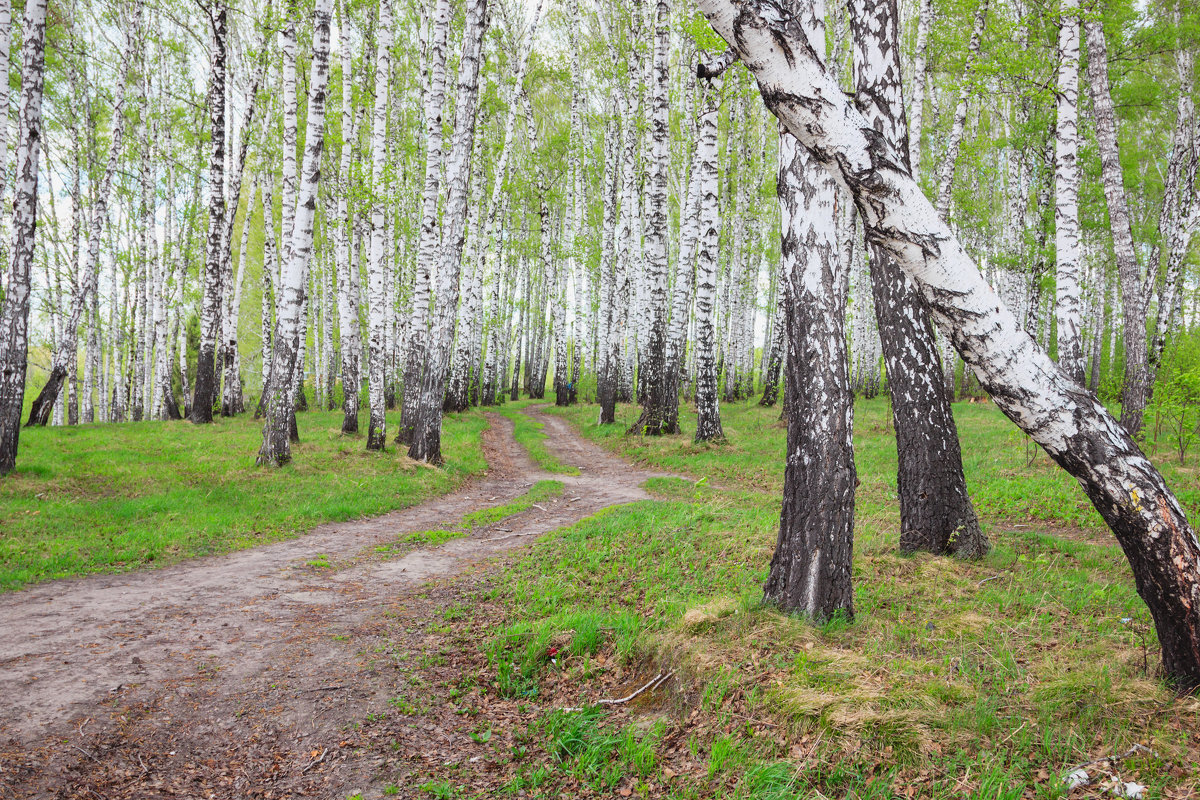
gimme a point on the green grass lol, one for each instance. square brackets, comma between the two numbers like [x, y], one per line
[538, 493]
[108, 498]
[528, 433]
[1007, 671]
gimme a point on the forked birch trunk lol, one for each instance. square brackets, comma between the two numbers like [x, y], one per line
[427, 423]
[276, 448]
[1065, 419]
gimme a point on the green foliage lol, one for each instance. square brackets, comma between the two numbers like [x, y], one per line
[1174, 410]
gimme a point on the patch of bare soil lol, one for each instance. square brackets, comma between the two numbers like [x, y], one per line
[260, 674]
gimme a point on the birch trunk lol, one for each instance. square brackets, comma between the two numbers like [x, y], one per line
[1065, 419]
[949, 158]
[427, 424]
[1068, 283]
[210, 310]
[276, 448]
[377, 295]
[14, 311]
[811, 568]
[936, 514]
[708, 413]
[39, 412]
[349, 333]
[427, 246]
[1136, 389]
[657, 417]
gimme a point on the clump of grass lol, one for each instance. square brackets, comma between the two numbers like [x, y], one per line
[433, 538]
[110, 498]
[539, 492]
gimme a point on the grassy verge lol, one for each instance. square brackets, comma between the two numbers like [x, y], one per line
[106, 498]
[528, 433]
[988, 679]
[539, 492]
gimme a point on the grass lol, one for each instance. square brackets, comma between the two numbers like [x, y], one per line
[108, 498]
[986, 679]
[538, 493]
[528, 433]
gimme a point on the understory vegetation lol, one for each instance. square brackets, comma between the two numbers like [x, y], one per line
[982, 679]
[107, 498]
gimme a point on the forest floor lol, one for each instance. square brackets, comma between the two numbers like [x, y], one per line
[432, 653]
[245, 675]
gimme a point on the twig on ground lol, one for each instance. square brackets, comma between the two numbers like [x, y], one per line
[511, 535]
[86, 753]
[535, 505]
[322, 689]
[655, 681]
[1115, 759]
[315, 761]
[985, 580]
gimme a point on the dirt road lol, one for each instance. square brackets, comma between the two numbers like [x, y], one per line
[247, 666]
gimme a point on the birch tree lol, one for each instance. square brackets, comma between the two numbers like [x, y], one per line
[376, 300]
[14, 310]
[1068, 283]
[811, 567]
[67, 353]
[276, 447]
[1065, 419]
[708, 414]
[427, 430]
[210, 310]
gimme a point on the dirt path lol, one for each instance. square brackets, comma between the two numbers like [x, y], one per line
[243, 664]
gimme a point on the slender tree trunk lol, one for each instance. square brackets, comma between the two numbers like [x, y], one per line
[920, 68]
[428, 244]
[936, 514]
[210, 309]
[708, 414]
[377, 297]
[427, 428]
[950, 157]
[39, 412]
[657, 417]
[276, 448]
[1068, 283]
[347, 307]
[1065, 419]
[14, 310]
[1136, 389]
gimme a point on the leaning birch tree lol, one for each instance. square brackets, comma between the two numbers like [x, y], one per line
[1063, 418]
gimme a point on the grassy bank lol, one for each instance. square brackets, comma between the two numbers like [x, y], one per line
[105, 498]
[988, 679]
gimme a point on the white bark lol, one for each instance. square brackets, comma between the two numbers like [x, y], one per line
[14, 311]
[276, 447]
[1068, 284]
[376, 280]
[1073, 427]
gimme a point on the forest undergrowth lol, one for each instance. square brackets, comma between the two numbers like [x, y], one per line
[955, 679]
[107, 498]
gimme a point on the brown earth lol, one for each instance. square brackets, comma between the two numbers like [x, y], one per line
[250, 674]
